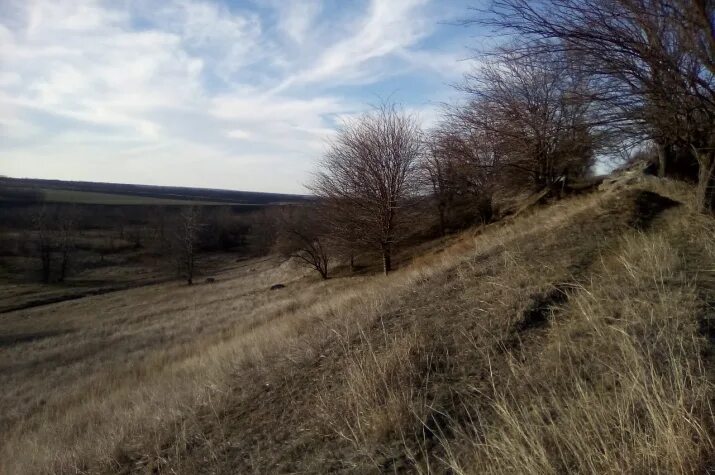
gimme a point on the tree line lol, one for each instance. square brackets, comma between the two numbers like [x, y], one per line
[573, 80]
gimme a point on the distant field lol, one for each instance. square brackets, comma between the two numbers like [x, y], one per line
[91, 197]
[27, 190]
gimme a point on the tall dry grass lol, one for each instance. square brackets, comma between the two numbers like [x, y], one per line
[132, 367]
[615, 383]
[620, 386]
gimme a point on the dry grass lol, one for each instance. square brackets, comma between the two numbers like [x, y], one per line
[430, 369]
[378, 397]
[116, 370]
[616, 384]
[619, 387]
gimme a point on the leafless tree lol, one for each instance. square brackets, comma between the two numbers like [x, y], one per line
[303, 235]
[187, 236]
[262, 230]
[528, 115]
[43, 232]
[460, 168]
[56, 234]
[652, 60]
[371, 173]
[439, 172]
[66, 239]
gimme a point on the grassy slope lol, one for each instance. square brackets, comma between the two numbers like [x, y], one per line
[571, 339]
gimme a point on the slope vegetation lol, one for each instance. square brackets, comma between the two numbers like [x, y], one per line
[574, 338]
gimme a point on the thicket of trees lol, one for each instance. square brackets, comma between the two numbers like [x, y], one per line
[67, 239]
[650, 66]
[55, 244]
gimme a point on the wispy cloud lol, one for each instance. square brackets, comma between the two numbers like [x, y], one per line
[203, 93]
[296, 19]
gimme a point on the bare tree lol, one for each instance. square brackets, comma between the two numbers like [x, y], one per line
[439, 173]
[262, 230]
[302, 235]
[370, 172]
[653, 62]
[43, 232]
[187, 237]
[56, 234]
[66, 239]
[460, 167]
[528, 115]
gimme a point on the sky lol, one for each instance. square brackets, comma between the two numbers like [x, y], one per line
[240, 95]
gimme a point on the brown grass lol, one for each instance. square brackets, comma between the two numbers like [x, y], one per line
[619, 387]
[437, 367]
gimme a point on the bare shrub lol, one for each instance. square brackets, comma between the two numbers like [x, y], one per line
[303, 235]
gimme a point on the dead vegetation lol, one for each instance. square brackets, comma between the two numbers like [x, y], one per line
[575, 338]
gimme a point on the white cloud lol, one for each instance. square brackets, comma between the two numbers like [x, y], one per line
[387, 28]
[296, 19]
[191, 92]
[239, 134]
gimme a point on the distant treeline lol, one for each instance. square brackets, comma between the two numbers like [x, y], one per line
[29, 189]
[20, 194]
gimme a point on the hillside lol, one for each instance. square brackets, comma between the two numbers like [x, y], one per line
[573, 338]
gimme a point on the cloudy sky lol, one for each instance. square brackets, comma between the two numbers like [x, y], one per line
[239, 94]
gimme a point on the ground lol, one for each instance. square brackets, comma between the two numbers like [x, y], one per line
[576, 337]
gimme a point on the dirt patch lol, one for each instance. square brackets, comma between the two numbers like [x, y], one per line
[536, 314]
[14, 339]
[647, 207]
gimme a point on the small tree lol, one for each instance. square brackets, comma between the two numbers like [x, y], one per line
[66, 239]
[370, 174]
[262, 230]
[461, 166]
[43, 233]
[439, 175]
[302, 235]
[187, 237]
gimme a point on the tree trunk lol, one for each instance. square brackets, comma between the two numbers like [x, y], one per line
[386, 258]
[442, 229]
[190, 269]
[485, 208]
[46, 258]
[662, 160]
[322, 266]
[705, 192]
[63, 266]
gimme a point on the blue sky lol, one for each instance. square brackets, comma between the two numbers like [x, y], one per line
[222, 94]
